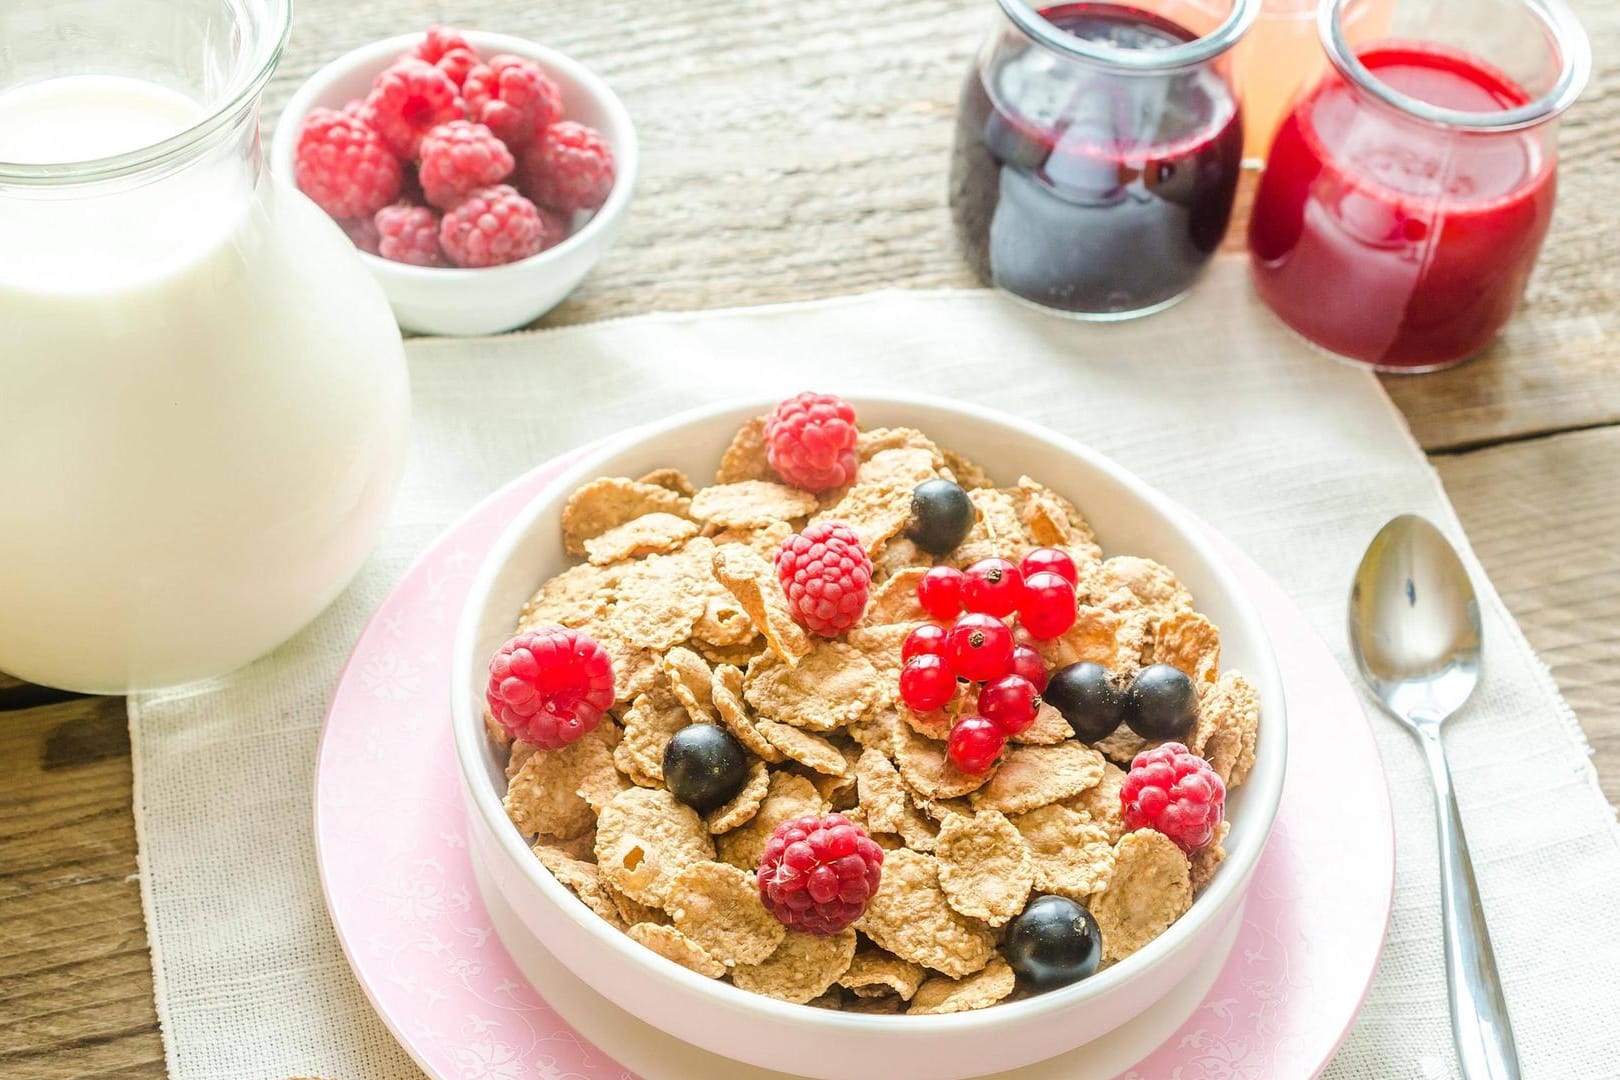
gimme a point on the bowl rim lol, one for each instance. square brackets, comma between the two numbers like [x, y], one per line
[1218, 897]
[377, 54]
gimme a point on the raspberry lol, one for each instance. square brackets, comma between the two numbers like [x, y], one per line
[1047, 608]
[409, 234]
[550, 687]
[569, 167]
[817, 873]
[1051, 560]
[492, 226]
[993, 587]
[343, 165]
[458, 158]
[927, 683]
[810, 441]
[940, 592]
[407, 101]
[827, 577]
[1010, 703]
[1175, 791]
[362, 233]
[1028, 663]
[979, 647]
[514, 98]
[446, 50]
[928, 638]
[974, 744]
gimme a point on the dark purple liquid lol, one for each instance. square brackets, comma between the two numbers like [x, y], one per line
[1095, 192]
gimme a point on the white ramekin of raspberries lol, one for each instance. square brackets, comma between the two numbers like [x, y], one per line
[480, 175]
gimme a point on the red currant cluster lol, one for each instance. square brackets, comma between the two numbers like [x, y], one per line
[978, 646]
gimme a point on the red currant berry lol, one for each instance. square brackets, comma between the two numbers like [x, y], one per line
[1047, 610]
[1010, 703]
[940, 592]
[927, 640]
[979, 647]
[1050, 561]
[1028, 663]
[926, 683]
[992, 587]
[975, 743]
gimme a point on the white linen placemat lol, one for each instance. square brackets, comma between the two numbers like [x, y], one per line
[1297, 459]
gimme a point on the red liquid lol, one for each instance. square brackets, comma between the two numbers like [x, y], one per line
[1094, 192]
[1393, 242]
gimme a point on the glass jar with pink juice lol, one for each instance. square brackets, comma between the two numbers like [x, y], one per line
[1098, 148]
[1407, 194]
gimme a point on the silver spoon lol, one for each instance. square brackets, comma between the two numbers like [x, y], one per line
[1415, 631]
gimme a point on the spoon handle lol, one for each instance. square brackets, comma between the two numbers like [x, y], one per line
[1479, 1016]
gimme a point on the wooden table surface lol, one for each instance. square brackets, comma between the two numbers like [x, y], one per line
[793, 151]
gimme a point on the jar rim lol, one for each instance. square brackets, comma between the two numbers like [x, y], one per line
[1190, 54]
[248, 82]
[1565, 32]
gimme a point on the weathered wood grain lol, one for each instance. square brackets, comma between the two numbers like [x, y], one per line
[1543, 516]
[75, 977]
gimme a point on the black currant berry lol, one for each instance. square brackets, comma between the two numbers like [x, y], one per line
[704, 766]
[1053, 943]
[1087, 698]
[1161, 703]
[941, 515]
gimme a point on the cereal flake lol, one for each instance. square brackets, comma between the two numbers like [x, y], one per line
[801, 968]
[611, 501]
[648, 534]
[753, 582]
[985, 870]
[749, 504]
[875, 972]
[671, 944]
[1149, 889]
[718, 907]
[543, 799]
[831, 686]
[910, 917]
[1033, 776]
[804, 747]
[1072, 856]
[745, 458]
[977, 991]
[691, 680]
[743, 805]
[1228, 728]
[1190, 642]
[644, 838]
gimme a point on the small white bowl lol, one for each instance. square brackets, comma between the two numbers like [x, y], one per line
[444, 300]
[1129, 517]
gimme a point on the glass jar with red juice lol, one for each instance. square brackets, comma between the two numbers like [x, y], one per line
[1098, 149]
[1407, 194]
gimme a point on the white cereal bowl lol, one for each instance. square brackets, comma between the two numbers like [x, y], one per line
[1129, 517]
[444, 300]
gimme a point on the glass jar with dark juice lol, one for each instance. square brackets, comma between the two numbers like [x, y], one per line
[1098, 148]
[1407, 194]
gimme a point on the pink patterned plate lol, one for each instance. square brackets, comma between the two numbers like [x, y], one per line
[390, 834]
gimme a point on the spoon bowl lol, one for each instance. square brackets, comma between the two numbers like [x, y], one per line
[1414, 622]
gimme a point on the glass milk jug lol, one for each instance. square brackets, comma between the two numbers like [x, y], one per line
[203, 396]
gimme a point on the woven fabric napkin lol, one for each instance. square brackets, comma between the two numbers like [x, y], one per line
[1296, 459]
